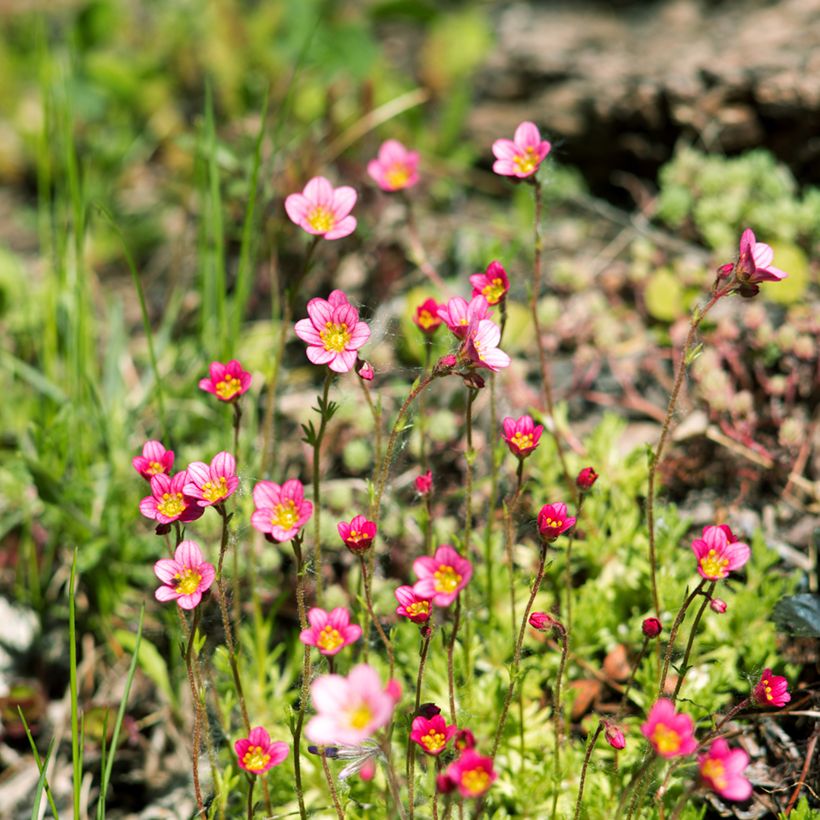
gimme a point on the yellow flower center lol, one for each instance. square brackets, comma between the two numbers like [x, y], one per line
[433, 740]
[255, 758]
[475, 781]
[666, 740]
[447, 579]
[493, 292]
[335, 336]
[418, 608]
[187, 581]
[214, 491]
[360, 716]
[767, 689]
[228, 388]
[397, 175]
[329, 639]
[321, 219]
[171, 505]
[285, 515]
[715, 771]
[526, 162]
[522, 440]
[154, 467]
[426, 319]
[553, 523]
[714, 567]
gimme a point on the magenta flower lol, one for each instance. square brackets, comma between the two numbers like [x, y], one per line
[585, 479]
[493, 284]
[432, 734]
[395, 168]
[651, 627]
[521, 156]
[424, 483]
[427, 316]
[771, 690]
[349, 710]
[212, 484]
[443, 576]
[472, 774]
[331, 631]
[717, 555]
[415, 608]
[464, 739]
[721, 769]
[280, 511]
[522, 435]
[614, 736]
[185, 576]
[257, 754]
[457, 314]
[553, 520]
[754, 263]
[168, 501]
[227, 381]
[480, 346]
[542, 621]
[333, 332]
[366, 372]
[322, 210]
[671, 734]
[358, 535]
[154, 459]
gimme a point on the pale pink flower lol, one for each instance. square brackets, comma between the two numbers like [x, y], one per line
[717, 555]
[212, 484]
[154, 459]
[480, 346]
[185, 576]
[457, 314]
[395, 167]
[671, 734]
[415, 608]
[522, 435]
[553, 520]
[493, 284]
[771, 690]
[330, 631]
[432, 734]
[333, 332]
[721, 769]
[280, 511]
[442, 576]
[349, 710]
[358, 535]
[257, 754]
[472, 774]
[754, 263]
[227, 381]
[322, 210]
[168, 501]
[521, 156]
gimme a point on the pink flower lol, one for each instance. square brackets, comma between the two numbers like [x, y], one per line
[457, 314]
[614, 736]
[721, 769]
[154, 459]
[472, 774]
[553, 520]
[322, 210]
[280, 511]
[480, 346]
[754, 263]
[651, 627]
[521, 156]
[464, 739]
[333, 332]
[358, 535]
[443, 576]
[349, 709]
[718, 605]
[542, 621]
[522, 435]
[671, 734]
[771, 690]
[717, 556]
[185, 576]
[426, 316]
[212, 484]
[586, 478]
[168, 501]
[227, 381]
[415, 608]
[366, 372]
[331, 631]
[493, 284]
[432, 734]
[257, 754]
[395, 168]
[424, 483]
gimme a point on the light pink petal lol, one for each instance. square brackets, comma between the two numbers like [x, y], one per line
[738, 554]
[344, 198]
[297, 207]
[505, 150]
[266, 494]
[241, 747]
[165, 594]
[343, 228]
[217, 372]
[307, 332]
[715, 538]
[278, 751]
[343, 362]
[505, 167]
[426, 588]
[318, 355]
[425, 566]
[445, 554]
[330, 693]
[190, 601]
[308, 637]
[392, 151]
[208, 574]
[738, 788]
[351, 633]
[206, 384]
[292, 490]
[324, 730]
[317, 617]
[359, 336]
[527, 135]
[188, 554]
[198, 474]
[319, 191]
[496, 359]
[339, 618]
[762, 255]
[259, 736]
[148, 507]
[166, 570]
[346, 314]
[337, 297]
[320, 312]
[376, 171]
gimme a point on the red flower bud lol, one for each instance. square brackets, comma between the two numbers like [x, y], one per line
[586, 478]
[651, 627]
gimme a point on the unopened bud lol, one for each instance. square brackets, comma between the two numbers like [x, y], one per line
[651, 627]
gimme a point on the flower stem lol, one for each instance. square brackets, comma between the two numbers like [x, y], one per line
[197, 709]
[376, 412]
[636, 666]
[470, 458]
[296, 543]
[568, 570]
[673, 633]
[251, 783]
[451, 645]
[332, 786]
[392, 781]
[411, 746]
[510, 505]
[690, 643]
[317, 507]
[495, 463]
[388, 644]
[593, 739]
[557, 714]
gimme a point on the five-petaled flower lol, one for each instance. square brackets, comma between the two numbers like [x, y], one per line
[414, 607]
[520, 156]
[330, 631]
[212, 484]
[480, 345]
[155, 459]
[349, 710]
[493, 284]
[472, 774]
[185, 576]
[426, 316]
[522, 435]
[458, 313]
[718, 554]
[395, 167]
[771, 690]
[280, 511]
[333, 332]
[227, 381]
[432, 734]
[754, 264]
[168, 500]
[358, 535]
[442, 576]
[721, 769]
[671, 734]
[553, 520]
[323, 210]
[257, 754]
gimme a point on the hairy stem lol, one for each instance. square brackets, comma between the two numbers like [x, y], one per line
[690, 643]
[673, 634]
[388, 644]
[411, 746]
[317, 506]
[451, 645]
[332, 786]
[593, 739]
[296, 543]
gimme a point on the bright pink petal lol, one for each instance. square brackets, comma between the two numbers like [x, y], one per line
[318, 355]
[188, 554]
[320, 312]
[317, 617]
[266, 494]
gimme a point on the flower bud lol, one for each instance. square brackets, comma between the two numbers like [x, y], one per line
[614, 736]
[464, 739]
[445, 784]
[586, 478]
[716, 605]
[366, 372]
[651, 627]
[424, 483]
[428, 710]
[542, 621]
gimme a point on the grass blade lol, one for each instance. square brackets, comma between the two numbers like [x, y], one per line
[76, 745]
[42, 767]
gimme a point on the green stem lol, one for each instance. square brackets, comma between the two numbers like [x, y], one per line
[332, 786]
[411, 746]
[388, 644]
[557, 716]
[197, 710]
[317, 506]
[251, 783]
[495, 463]
[451, 645]
[510, 505]
[673, 633]
[296, 543]
[568, 570]
[684, 668]
[470, 458]
[593, 739]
